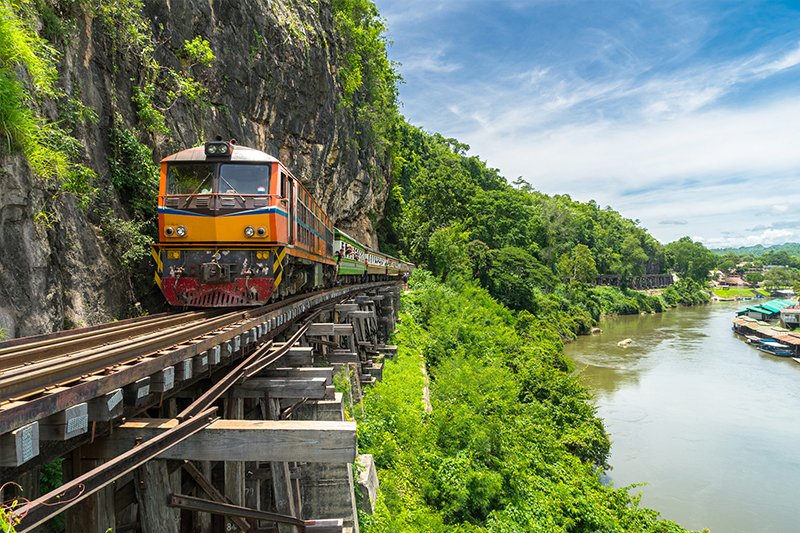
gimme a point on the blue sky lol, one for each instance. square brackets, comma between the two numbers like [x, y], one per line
[683, 115]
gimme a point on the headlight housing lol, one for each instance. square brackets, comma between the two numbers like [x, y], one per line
[249, 231]
[169, 231]
[261, 232]
[180, 231]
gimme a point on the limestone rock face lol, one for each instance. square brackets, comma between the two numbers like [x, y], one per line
[272, 86]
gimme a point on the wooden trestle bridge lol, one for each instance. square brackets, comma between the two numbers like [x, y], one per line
[196, 422]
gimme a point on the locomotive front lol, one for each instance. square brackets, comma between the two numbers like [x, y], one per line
[222, 221]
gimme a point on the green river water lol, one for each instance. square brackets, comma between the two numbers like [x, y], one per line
[711, 424]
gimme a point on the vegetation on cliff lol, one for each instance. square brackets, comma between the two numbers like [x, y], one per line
[511, 441]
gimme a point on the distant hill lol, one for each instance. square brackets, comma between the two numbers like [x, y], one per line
[792, 248]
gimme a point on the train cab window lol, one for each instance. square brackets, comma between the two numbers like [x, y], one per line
[190, 178]
[283, 184]
[244, 179]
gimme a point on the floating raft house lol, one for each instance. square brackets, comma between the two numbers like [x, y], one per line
[745, 325]
[765, 311]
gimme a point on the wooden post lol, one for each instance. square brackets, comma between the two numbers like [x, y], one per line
[234, 470]
[94, 513]
[204, 519]
[281, 479]
[152, 489]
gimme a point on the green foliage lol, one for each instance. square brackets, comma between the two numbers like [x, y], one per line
[50, 478]
[754, 278]
[512, 442]
[692, 259]
[133, 174]
[128, 237]
[578, 265]
[369, 80]
[149, 116]
[198, 50]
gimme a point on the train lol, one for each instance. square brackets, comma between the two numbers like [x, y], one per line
[236, 228]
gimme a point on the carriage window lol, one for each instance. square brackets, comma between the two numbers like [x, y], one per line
[193, 178]
[244, 179]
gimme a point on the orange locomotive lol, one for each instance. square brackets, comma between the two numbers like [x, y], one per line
[236, 228]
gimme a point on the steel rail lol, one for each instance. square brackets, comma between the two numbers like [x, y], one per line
[33, 352]
[27, 380]
[59, 500]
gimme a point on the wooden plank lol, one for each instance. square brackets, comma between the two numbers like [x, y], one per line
[281, 388]
[296, 373]
[343, 329]
[298, 356]
[320, 329]
[68, 423]
[106, 407]
[240, 440]
[331, 525]
[19, 446]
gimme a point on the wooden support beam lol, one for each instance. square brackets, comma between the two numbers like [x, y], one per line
[343, 329]
[234, 470]
[137, 392]
[68, 423]
[183, 370]
[209, 489]
[281, 479]
[20, 445]
[320, 329]
[240, 440]
[297, 373]
[152, 489]
[106, 407]
[163, 380]
[281, 388]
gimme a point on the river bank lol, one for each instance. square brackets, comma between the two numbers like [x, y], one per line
[705, 420]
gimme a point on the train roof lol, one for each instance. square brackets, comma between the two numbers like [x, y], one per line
[239, 153]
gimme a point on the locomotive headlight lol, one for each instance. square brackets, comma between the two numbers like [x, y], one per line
[180, 231]
[211, 149]
[261, 232]
[249, 231]
[169, 232]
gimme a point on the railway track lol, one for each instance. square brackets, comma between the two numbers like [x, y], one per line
[43, 376]
[63, 391]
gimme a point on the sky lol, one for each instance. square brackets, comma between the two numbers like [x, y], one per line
[682, 115]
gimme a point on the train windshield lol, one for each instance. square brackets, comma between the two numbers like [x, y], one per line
[191, 178]
[244, 179]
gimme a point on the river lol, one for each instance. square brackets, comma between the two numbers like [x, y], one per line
[711, 424]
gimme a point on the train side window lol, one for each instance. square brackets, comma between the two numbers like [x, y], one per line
[283, 185]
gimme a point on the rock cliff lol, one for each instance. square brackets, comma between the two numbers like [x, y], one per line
[272, 85]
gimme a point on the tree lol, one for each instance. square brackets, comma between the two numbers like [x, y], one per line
[754, 278]
[578, 265]
[691, 259]
[779, 277]
[448, 250]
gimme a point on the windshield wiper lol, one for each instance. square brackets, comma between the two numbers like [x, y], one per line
[232, 188]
